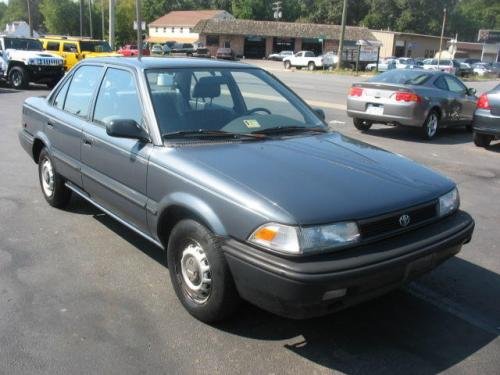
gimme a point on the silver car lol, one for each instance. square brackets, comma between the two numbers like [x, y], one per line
[420, 98]
[486, 123]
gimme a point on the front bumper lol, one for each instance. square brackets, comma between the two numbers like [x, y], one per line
[41, 72]
[303, 287]
[486, 123]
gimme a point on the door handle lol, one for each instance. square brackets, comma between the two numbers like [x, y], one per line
[87, 141]
[50, 124]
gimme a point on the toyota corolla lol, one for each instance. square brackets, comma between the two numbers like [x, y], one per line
[242, 183]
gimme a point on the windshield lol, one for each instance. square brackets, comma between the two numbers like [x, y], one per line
[23, 44]
[402, 76]
[95, 46]
[239, 101]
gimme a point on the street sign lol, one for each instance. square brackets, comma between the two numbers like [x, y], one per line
[143, 25]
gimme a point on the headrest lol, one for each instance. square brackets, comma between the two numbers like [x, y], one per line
[207, 87]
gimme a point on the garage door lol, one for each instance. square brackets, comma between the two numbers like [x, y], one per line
[255, 47]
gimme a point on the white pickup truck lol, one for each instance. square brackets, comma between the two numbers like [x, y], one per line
[303, 59]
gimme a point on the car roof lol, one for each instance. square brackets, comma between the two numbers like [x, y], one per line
[163, 63]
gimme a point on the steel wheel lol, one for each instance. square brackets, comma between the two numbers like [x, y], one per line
[16, 78]
[47, 174]
[196, 273]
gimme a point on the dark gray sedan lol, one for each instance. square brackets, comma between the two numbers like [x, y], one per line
[486, 125]
[426, 99]
[242, 183]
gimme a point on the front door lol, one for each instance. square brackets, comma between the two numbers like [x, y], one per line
[465, 104]
[114, 170]
[70, 54]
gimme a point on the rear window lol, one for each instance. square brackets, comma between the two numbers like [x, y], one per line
[402, 76]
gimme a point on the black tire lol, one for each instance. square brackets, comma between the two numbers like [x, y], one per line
[287, 65]
[430, 127]
[311, 66]
[468, 127]
[60, 195]
[19, 77]
[482, 140]
[53, 82]
[217, 299]
[362, 125]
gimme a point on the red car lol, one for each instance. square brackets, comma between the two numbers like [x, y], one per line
[129, 50]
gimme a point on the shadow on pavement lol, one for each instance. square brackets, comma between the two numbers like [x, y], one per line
[397, 333]
[449, 136]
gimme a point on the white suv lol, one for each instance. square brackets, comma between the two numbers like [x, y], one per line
[445, 65]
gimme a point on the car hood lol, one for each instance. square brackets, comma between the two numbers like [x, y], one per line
[320, 179]
[26, 54]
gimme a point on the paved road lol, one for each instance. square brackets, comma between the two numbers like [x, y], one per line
[81, 294]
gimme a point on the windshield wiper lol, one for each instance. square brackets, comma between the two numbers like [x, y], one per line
[202, 133]
[290, 129]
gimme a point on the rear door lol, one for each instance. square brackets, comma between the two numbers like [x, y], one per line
[68, 116]
[114, 169]
[70, 54]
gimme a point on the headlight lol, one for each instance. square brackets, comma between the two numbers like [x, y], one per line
[449, 203]
[294, 240]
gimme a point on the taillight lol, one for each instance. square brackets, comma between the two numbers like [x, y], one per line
[483, 102]
[355, 91]
[402, 96]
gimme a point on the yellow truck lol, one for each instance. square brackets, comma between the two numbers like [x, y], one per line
[74, 49]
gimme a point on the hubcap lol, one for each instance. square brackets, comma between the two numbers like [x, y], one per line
[196, 274]
[432, 125]
[47, 177]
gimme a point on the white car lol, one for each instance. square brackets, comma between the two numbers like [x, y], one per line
[383, 65]
[482, 69]
[303, 59]
[445, 65]
[280, 55]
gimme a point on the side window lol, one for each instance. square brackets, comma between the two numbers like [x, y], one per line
[118, 98]
[440, 83]
[52, 46]
[81, 89]
[61, 95]
[211, 90]
[455, 85]
[70, 47]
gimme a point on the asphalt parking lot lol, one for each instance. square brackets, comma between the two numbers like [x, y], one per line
[79, 293]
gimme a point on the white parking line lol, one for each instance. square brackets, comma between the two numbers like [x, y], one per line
[451, 307]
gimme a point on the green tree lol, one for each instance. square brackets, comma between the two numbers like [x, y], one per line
[61, 16]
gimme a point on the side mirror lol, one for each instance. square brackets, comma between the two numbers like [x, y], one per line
[471, 91]
[126, 128]
[320, 113]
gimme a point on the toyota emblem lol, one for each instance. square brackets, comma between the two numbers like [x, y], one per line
[404, 220]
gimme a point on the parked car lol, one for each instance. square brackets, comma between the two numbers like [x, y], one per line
[200, 50]
[303, 59]
[157, 49]
[22, 60]
[464, 70]
[482, 69]
[129, 50]
[182, 48]
[329, 60]
[225, 54]
[495, 67]
[445, 65]
[279, 56]
[383, 65]
[426, 99]
[486, 124]
[253, 198]
[74, 49]
[406, 63]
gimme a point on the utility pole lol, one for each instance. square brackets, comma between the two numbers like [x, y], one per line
[441, 39]
[277, 10]
[342, 34]
[90, 19]
[81, 18]
[29, 18]
[112, 23]
[139, 28]
[103, 26]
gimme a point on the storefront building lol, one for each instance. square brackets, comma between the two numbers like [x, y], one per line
[258, 39]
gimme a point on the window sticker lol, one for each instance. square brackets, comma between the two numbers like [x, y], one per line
[251, 123]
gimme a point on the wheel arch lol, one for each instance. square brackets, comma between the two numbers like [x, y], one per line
[181, 206]
[13, 64]
[40, 141]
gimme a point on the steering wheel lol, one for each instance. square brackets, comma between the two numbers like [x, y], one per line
[258, 109]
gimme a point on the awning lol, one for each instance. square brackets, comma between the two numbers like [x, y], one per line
[161, 39]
